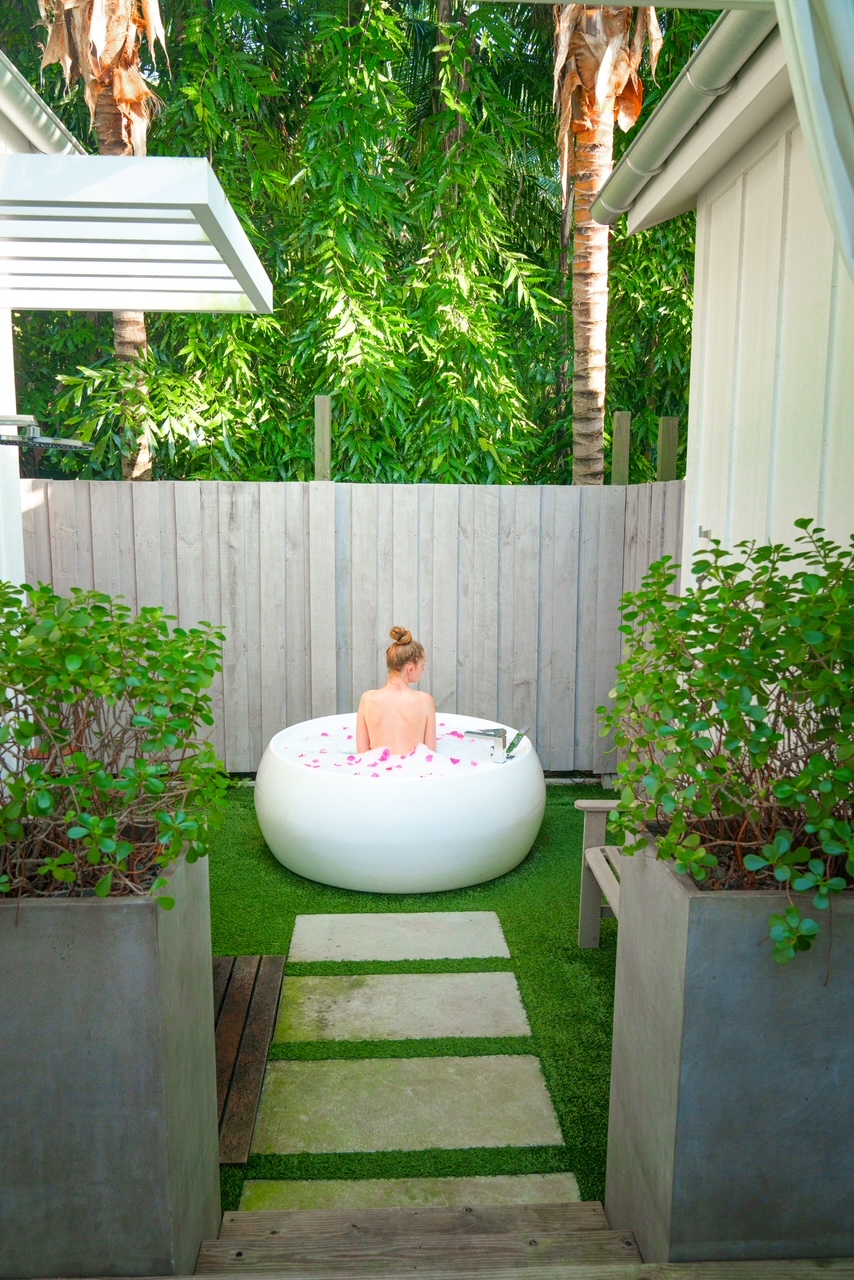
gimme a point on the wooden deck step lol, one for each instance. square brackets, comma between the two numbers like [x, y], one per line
[804, 1269]
[446, 1220]
[374, 1252]
[246, 998]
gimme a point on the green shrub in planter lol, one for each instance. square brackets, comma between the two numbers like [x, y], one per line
[105, 776]
[734, 707]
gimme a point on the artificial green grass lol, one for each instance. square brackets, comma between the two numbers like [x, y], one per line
[567, 993]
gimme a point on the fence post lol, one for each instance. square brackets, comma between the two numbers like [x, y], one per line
[322, 437]
[620, 440]
[668, 443]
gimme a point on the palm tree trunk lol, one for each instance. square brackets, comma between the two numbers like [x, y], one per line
[593, 163]
[130, 338]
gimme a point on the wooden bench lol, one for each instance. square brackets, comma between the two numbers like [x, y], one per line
[246, 998]
[600, 872]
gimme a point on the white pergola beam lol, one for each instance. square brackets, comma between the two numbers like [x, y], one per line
[97, 233]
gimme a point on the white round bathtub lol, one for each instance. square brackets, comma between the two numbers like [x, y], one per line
[395, 824]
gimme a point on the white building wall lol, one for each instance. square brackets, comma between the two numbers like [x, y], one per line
[771, 423]
[13, 142]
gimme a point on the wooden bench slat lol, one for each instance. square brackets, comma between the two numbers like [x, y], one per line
[605, 878]
[229, 1028]
[222, 966]
[614, 856]
[238, 1120]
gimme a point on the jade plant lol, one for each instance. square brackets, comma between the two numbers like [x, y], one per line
[105, 773]
[734, 715]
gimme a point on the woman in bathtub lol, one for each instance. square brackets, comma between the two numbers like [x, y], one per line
[397, 716]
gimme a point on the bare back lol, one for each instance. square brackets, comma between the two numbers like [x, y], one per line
[396, 717]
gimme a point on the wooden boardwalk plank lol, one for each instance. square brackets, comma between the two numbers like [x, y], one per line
[238, 1121]
[778, 1269]
[266, 1224]
[369, 1254]
[222, 967]
[229, 1028]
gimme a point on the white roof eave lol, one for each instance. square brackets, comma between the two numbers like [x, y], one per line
[40, 129]
[760, 94]
[104, 233]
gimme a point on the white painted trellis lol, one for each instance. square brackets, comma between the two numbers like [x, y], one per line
[514, 591]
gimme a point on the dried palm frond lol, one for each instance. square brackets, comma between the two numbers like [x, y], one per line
[598, 53]
[98, 41]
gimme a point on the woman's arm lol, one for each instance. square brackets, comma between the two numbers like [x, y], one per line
[363, 739]
[430, 727]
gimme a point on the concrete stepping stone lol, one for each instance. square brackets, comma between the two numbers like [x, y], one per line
[405, 1104]
[397, 1193]
[398, 935]
[400, 1006]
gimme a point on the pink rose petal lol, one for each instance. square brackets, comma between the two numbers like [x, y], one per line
[428, 758]
[453, 761]
[385, 755]
[324, 735]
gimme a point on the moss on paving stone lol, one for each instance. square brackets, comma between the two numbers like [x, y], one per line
[567, 993]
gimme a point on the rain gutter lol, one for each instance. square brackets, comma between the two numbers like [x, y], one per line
[727, 48]
[32, 117]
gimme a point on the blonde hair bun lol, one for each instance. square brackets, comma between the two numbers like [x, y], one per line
[403, 649]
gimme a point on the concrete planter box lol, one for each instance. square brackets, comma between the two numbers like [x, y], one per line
[108, 1137]
[732, 1085]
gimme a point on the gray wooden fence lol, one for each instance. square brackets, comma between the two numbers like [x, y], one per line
[513, 591]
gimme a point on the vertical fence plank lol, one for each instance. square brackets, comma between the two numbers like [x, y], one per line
[297, 655]
[322, 437]
[668, 444]
[145, 508]
[63, 536]
[366, 630]
[506, 600]
[588, 592]
[612, 517]
[232, 577]
[547, 602]
[168, 534]
[106, 568]
[211, 600]
[82, 490]
[526, 593]
[465, 612]
[34, 510]
[562, 640]
[254, 590]
[426, 584]
[405, 563]
[189, 554]
[29, 499]
[271, 563]
[630, 546]
[385, 577]
[621, 448]
[444, 644]
[321, 526]
[125, 541]
[345, 697]
[483, 637]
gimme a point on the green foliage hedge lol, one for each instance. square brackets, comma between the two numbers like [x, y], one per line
[415, 270]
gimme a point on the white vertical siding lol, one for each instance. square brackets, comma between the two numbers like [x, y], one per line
[771, 424]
